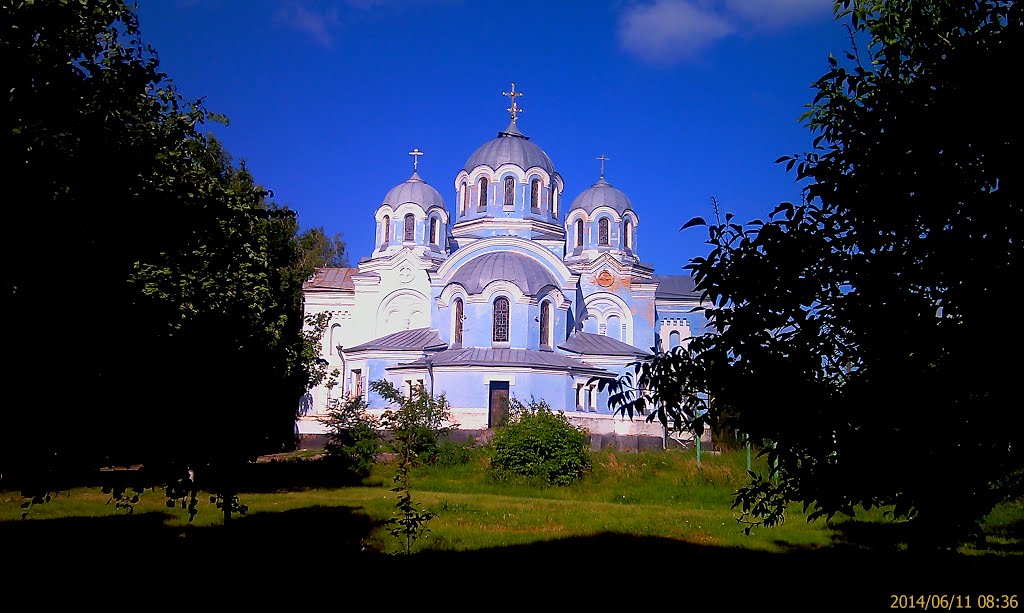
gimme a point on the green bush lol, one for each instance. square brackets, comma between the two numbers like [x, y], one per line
[537, 442]
[352, 438]
[454, 454]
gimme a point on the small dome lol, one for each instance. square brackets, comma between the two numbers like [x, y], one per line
[511, 147]
[528, 274]
[416, 191]
[602, 194]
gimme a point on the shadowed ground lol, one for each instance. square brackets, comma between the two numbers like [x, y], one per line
[316, 552]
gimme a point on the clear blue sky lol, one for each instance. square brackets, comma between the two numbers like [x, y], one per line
[688, 98]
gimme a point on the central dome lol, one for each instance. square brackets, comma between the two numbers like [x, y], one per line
[528, 274]
[511, 147]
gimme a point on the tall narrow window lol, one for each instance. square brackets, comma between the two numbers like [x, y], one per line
[535, 194]
[387, 231]
[433, 230]
[545, 324]
[554, 202]
[482, 206]
[510, 193]
[357, 383]
[465, 198]
[410, 228]
[627, 234]
[614, 327]
[579, 232]
[458, 322]
[500, 334]
[602, 232]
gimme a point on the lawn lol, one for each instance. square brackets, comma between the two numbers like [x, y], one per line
[632, 509]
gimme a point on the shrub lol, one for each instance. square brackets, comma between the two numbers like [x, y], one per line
[537, 442]
[454, 454]
[352, 437]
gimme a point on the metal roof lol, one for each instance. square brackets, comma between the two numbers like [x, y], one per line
[528, 274]
[416, 191]
[511, 147]
[417, 339]
[331, 278]
[602, 194]
[487, 356]
[675, 287]
[586, 343]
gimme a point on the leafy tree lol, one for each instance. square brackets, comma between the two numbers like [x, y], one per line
[415, 423]
[167, 332]
[319, 249]
[861, 337]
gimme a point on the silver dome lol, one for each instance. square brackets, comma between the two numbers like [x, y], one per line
[511, 147]
[528, 274]
[416, 191]
[602, 194]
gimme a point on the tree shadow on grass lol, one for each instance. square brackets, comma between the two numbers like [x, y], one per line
[305, 551]
[296, 475]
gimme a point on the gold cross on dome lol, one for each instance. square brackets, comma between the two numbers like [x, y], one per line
[415, 153]
[602, 158]
[513, 110]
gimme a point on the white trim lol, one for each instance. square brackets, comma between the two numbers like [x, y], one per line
[510, 378]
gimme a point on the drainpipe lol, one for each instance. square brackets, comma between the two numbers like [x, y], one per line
[430, 371]
[341, 355]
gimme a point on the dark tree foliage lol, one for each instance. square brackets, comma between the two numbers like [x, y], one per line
[166, 330]
[862, 338]
[319, 249]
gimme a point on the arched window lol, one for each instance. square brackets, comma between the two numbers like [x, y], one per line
[465, 198]
[510, 193]
[627, 234]
[482, 206]
[500, 333]
[457, 340]
[433, 230]
[579, 232]
[386, 237]
[545, 324]
[602, 232]
[554, 202]
[535, 194]
[410, 228]
[673, 339]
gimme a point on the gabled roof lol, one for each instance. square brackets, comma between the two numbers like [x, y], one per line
[331, 278]
[417, 339]
[675, 287]
[524, 358]
[585, 343]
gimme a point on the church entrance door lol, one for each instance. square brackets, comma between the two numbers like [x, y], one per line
[498, 403]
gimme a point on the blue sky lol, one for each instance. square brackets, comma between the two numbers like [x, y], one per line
[688, 98]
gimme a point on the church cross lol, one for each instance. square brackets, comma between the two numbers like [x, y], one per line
[603, 158]
[415, 153]
[513, 110]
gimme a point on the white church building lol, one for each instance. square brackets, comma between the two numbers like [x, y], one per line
[511, 290]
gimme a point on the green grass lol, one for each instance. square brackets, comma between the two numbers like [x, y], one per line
[662, 495]
[650, 525]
